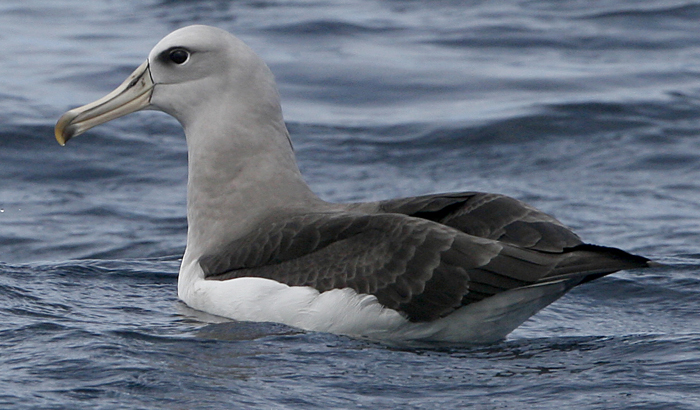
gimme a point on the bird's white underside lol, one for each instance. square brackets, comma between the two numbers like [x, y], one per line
[345, 312]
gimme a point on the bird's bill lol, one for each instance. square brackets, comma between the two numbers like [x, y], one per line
[132, 95]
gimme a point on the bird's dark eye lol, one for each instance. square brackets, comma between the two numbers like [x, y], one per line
[179, 55]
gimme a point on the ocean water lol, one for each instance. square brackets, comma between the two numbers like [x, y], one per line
[589, 110]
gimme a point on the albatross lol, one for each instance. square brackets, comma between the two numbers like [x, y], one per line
[465, 267]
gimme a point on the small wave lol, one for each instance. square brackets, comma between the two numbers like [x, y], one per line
[329, 28]
[638, 15]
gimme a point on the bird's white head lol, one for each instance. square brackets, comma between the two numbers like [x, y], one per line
[194, 74]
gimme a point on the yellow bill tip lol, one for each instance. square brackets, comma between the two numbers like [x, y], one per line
[63, 130]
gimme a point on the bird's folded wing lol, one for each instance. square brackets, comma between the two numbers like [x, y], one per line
[416, 266]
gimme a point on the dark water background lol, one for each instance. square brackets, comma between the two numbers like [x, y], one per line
[589, 110]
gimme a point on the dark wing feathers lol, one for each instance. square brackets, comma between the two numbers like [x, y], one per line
[489, 216]
[423, 256]
[593, 261]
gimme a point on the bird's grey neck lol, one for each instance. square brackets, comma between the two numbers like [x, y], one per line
[236, 179]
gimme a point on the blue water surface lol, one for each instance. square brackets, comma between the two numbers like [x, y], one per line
[589, 110]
